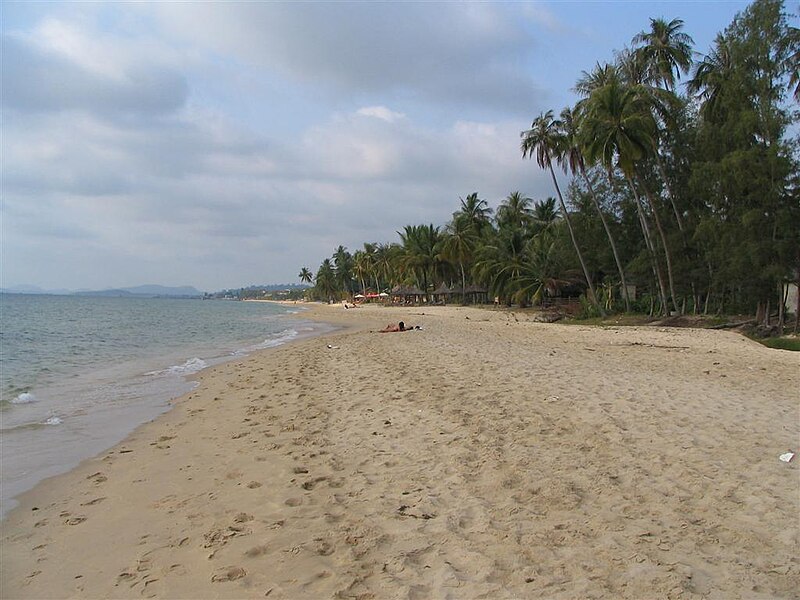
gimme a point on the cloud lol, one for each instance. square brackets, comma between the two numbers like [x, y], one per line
[127, 159]
[470, 55]
[59, 67]
[380, 112]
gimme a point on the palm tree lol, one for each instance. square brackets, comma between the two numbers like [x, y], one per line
[362, 268]
[617, 127]
[710, 75]
[545, 140]
[793, 61]
[343, 262]
[476, 211]
[574, 160]
[458, 245]
[666, 51]
[601, 75]
[421, 251]
[305, 275]
[326, 280]
[514, 211]
[545, 214]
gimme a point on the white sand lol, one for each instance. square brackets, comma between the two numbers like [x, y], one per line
[484, 456]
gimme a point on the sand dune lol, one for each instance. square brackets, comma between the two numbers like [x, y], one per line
[484, 456]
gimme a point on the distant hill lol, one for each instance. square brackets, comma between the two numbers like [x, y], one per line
[33, 289]
[147, 291]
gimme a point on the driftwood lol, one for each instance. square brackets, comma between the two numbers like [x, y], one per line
[733, 325]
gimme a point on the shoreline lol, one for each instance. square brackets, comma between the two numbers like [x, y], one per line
[120, 422]
[481, 455]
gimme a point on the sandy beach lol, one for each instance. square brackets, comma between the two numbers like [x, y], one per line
[483, 456]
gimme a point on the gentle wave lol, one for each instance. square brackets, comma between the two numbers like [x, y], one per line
[284, 336]
[191, 366]
[35, 425]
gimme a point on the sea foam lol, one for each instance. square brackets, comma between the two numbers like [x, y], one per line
[193, 365]
[24, 398]
[284, 336]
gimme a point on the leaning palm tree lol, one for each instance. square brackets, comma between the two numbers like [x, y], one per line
[573, 159]
[663, 53]
[545, 140]
[617, 130]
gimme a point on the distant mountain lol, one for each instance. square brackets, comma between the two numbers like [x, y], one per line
[147, 291]
[160, 290]
[32, 289]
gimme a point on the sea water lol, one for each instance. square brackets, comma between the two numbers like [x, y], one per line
[78, 374]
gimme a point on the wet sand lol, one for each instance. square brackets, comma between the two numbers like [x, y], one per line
[483, 456]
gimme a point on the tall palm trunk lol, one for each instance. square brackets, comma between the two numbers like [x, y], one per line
[592, 295]
[620, 270]
[463, 283]
[667, 254]
[649, 244]
[662, 171]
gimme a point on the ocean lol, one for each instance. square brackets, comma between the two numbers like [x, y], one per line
[78, 374]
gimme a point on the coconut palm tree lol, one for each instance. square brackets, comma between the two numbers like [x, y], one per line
[305, 275]
[617, 130]
[710, 75]
[601, 75]
[662, 54]
[325, 281]
[514, 211]
[665, 50]
[343, 263]
[458, 245]
[545, 213]
[573, 159]
[421, 252]
[476, 211]
[545, 140]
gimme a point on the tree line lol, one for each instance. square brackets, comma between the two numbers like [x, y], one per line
[686, 192]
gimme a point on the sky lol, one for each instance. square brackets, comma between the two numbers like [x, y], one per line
[226, 144]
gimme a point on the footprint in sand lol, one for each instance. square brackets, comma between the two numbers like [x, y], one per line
[254, 484]
[294, 502]
[228, 574]
[93, 502]
[256, 551]
[97, 477]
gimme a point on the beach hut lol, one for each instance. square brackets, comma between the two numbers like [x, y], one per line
[407, 294]
[441, 295]
[480, 295]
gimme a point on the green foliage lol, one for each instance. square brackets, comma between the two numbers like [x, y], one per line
[693, 200]
[782, 343]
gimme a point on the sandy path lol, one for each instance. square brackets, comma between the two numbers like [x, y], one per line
[480, 457]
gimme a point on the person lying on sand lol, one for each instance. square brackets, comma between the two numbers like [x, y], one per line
[391, 327]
